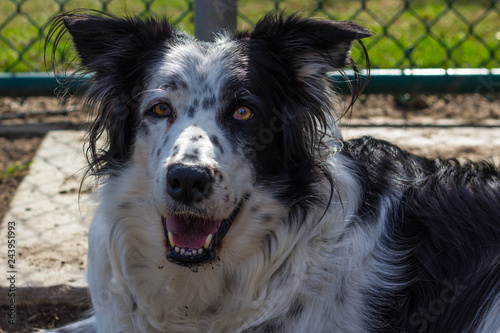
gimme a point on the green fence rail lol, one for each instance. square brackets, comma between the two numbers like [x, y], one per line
[392, 81]
[408, 34]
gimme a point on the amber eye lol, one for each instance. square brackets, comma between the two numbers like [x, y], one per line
[162, 109]
[243, 113]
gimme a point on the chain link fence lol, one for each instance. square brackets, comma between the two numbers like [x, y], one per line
[22, 24]
[408, 33]
[418, 33]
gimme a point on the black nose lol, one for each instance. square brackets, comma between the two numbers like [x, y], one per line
[188, 184]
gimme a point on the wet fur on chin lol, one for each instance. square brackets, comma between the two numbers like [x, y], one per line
[329, 235]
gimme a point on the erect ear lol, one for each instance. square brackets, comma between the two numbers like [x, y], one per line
[111, 46]
[308, 46]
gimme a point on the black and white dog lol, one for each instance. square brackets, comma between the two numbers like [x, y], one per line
[231, 203]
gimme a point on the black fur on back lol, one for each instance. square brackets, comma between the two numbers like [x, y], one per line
[445, 225]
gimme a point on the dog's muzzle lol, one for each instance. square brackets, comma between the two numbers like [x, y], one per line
[192, 239]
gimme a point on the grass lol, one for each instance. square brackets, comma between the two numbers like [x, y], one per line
[15, 170]
[425, 33]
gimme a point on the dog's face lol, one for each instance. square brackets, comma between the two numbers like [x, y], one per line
[207, 123]
[193, 118]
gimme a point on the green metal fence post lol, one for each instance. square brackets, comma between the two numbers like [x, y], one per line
[214, 16]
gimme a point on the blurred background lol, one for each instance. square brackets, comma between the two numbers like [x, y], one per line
[408, 34]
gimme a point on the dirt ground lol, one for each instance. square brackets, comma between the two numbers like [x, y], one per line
[22, 124]
[44, 316]
[27, 117]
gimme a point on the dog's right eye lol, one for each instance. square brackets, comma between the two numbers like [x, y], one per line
[162, 109]
[243, 113]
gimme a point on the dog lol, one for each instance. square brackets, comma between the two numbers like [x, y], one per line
[229, 201]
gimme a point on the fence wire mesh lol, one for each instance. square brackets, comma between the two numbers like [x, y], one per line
[407, 33]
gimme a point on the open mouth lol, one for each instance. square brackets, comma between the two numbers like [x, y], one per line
[192, 239]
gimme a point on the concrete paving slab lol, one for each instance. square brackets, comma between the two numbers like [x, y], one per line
[429, 140]
[50, 222]
[47, 227]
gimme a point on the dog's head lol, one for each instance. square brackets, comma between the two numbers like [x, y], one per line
[209, 122]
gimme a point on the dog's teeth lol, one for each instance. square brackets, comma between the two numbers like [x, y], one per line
[177, 249]
[200, 251]
[207, 241]
[171, 239]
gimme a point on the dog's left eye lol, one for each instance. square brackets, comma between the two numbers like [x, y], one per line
[243, 113]
[162, 109]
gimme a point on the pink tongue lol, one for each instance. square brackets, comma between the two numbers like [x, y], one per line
[191, 232]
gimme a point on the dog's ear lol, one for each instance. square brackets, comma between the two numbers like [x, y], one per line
[111, 46]
[308, 47]
[119, 53]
